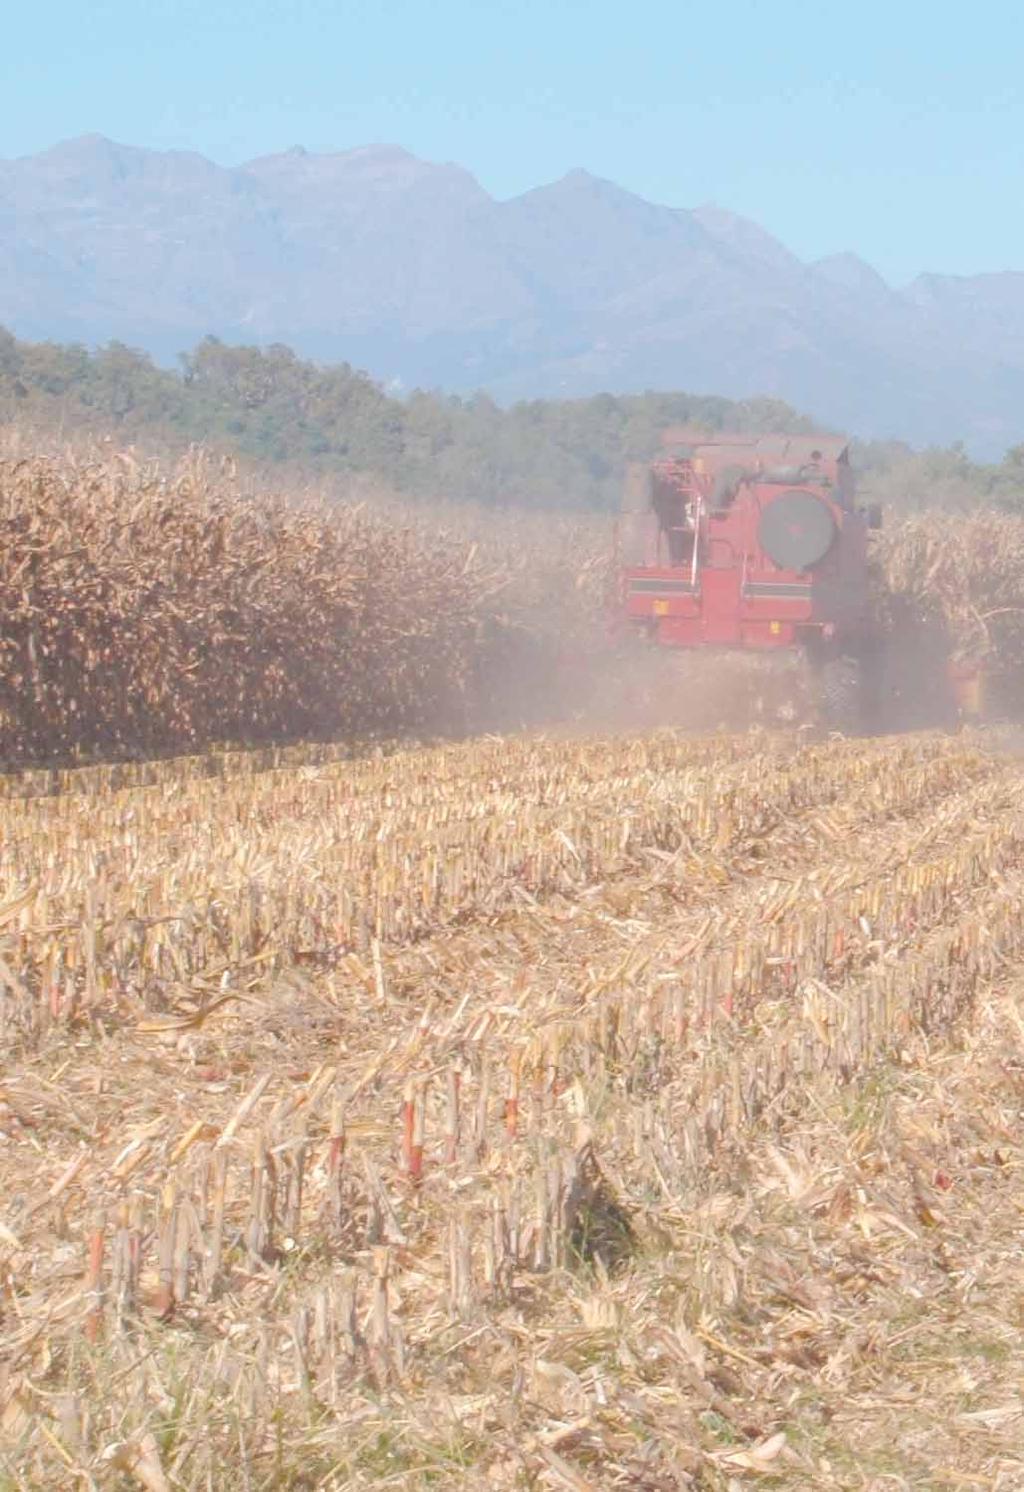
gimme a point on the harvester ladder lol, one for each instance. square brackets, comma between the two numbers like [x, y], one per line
[698, 513]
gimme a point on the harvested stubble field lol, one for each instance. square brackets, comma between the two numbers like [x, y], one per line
[616, 1113]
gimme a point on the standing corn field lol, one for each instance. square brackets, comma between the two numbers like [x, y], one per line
[145, 612]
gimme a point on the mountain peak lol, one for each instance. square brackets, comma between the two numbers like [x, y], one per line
[93, 159]
[580, 182]
[383, 155]
[584, 199]
[408, 268]
[87, 148]
[359, 155]
[380, 167]
[848, 271]
[743, 236]
[91, 141]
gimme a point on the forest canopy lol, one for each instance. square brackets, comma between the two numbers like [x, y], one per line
[269, 405]
[266, 404]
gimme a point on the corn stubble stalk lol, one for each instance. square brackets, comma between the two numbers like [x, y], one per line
[486, 1002]
[766, 961]
[94, 1278]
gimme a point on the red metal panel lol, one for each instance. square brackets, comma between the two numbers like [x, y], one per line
[720, 606]
[734, 596]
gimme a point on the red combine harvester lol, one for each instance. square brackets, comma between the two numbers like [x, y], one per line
[755, 543]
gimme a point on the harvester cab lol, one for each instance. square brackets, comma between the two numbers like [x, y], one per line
[752, 543]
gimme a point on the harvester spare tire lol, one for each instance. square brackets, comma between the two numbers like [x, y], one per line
[796, 530]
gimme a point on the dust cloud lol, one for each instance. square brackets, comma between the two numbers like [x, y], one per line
[637, 687]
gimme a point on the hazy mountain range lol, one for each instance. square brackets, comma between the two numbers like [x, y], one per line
[413, 271]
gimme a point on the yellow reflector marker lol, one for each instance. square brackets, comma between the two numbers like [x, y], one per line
[661, 608]
[775, 628]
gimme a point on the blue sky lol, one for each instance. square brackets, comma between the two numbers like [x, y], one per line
[895, 130]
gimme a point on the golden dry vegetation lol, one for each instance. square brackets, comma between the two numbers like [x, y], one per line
[587, 1111]
[146, 611]
[629, 1112]
[958, 578]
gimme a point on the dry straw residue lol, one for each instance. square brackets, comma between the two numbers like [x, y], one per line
[522, 1112]
[634, 1112]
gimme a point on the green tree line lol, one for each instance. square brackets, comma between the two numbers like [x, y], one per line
[269, 405]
